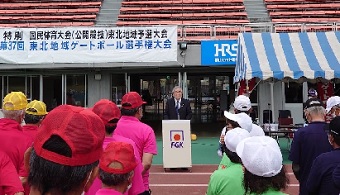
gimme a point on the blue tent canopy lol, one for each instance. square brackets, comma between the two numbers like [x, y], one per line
[288, 55]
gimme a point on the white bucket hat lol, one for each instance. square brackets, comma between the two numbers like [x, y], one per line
[260, 155]
[233, 137]
[242, 119]
[331, 102]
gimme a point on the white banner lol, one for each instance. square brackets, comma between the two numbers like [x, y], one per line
[88, 45]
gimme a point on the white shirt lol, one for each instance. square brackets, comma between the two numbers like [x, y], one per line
[179, 103]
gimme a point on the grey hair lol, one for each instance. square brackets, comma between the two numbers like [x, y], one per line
[316, 110]
[13, 114]
[176, 87]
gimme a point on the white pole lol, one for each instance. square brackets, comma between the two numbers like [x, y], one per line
[185, 85]
[63, 88]
[179, 80]
[272, 100]
[85, 91]
[41, 85]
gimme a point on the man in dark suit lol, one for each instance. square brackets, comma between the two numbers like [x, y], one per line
[177, 108]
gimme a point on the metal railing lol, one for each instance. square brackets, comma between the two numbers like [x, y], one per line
[196, 33]
[200, 32]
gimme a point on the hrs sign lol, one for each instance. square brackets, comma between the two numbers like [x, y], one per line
[222, 52]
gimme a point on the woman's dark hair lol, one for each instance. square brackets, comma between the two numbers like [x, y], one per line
[240, 111]
[129, 112]
[231, 155]
[111, 126]
[46, 175]
[258, 185]
[32, 119]
[233, 123]
[110, 179]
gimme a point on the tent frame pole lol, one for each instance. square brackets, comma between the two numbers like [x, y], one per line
[272, 100]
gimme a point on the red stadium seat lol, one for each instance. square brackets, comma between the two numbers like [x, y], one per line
[48, 18]
[49, 4]
[186, 13]
[178, 22]
[305, 11]
[312, 28]
[303, 6]
[48, 24]
[49, 13]
[172, 8]
[180, 2]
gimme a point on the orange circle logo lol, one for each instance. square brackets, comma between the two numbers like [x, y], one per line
[177, 137]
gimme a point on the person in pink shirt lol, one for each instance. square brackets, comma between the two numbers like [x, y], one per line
[109, 112]
[35, 113]
[10, 183]
[116, 168]
[130, 126]
[13, 141]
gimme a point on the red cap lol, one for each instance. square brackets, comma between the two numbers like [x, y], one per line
[118, 152]
[132, 100]
[106, 110]
[80, 128]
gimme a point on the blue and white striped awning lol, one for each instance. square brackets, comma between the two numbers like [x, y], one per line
[288, 55]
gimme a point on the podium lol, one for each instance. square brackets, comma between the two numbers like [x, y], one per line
[176, 136]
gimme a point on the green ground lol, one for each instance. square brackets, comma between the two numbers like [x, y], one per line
[204, 151]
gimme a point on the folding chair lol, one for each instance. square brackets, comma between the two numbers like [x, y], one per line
[285, 114]
[267, 116]
[285, 124]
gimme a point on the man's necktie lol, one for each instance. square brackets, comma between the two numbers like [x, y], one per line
[177, 107]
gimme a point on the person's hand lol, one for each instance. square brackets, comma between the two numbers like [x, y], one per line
[23, 180]
[222, 139]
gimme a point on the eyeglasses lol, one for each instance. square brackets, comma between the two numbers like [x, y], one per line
[178, 91]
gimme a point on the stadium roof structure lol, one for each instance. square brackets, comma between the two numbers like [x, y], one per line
[288, 56]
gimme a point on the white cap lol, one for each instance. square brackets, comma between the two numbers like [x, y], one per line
[242, 103]
[260, 155]
[256, 131]
[332, 101]
[234, 136]
[242, 119]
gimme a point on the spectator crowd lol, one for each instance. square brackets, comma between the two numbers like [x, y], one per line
[74, 150]
[108, 150]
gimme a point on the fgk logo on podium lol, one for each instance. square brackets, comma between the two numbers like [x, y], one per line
[176, 138]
